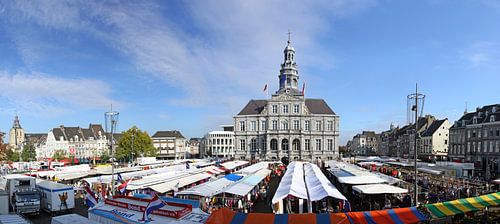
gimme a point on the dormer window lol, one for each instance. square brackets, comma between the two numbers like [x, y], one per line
[492, 118]
[474, 120]
[463, 122]
[494, 110]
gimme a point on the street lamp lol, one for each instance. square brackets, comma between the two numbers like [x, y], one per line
[413, 104]
[111, 119]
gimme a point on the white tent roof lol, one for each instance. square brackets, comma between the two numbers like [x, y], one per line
[181, 182]
[233, 164]
[388, 179]
[368, 179]
[318, 185]
[254, 168]
[246, 184]
[429, 170]
[208, 188]
[292, 183]
[379, 189]
[71, 176]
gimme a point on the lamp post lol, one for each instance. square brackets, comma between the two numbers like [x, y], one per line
[413, 104]
[111, 119]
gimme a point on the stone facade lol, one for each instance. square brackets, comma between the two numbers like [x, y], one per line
[475, 137]
[219, 144]
[82, 143]
[16, 135]
[170, 145]
[287, 124]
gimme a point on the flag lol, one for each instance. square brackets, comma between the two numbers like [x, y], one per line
[155, 204]
[347, 206]
[303, 88]
[90, 198]
[123, 186]
[119, 178]
[265, 88]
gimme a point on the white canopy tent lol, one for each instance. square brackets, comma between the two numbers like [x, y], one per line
[292, 183]
[379, 189]
[246, 184]
[367, 179]
[209, 188]
[318, 185]
[306, 181]
[179, 182]
[430, 170]
[254, 168]
[234, 164]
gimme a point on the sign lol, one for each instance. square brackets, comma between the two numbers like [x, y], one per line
[162, 212]
[72, 150]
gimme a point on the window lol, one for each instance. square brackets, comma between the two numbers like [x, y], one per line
[296, 108]
[330, 126]
[285, 109]
[262, 125]
[318, 144]
[445, 142]
[242, 126]
[242, 144]
[296, 124]
[307, 125]
[274, 144]
[253, 144]
[275, 109]
[318, 125]
[284, 125]
[307, 144]
[330, 144]
[263, 144]
[253, 125]
[275, 125]
[498, 132]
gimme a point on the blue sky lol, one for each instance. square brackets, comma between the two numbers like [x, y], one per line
[193, 65]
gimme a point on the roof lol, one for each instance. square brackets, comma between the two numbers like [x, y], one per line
[50, 185]
[433, 128]
[318, 106]
[315, 106]
[379, 189]
[168, 134]
[253, 107]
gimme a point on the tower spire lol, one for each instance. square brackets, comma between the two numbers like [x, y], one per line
[289, 36]
[289, 75]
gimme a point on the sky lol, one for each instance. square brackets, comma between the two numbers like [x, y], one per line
[193, 65]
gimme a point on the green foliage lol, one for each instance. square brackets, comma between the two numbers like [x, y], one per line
[142, 145]
[28, 153]
[13, 156]
[104, 157]
[59, 155]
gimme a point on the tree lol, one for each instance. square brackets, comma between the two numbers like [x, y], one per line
[142, 145]
[104, 157]
[12, 155]
[28, 153]
[3, 151]
[59, 155]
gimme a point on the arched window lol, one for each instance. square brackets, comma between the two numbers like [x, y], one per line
[274, 144]
[296, 145]
[284, 144]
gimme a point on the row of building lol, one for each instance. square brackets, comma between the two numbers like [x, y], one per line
[92, 142]
[287, 125]
[475, 138]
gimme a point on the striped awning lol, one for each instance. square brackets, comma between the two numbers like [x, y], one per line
[449, 208]
[390, 216]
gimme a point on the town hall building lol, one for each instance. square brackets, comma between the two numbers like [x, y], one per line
[288, 124]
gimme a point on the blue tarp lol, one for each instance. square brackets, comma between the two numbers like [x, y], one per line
[233, 177]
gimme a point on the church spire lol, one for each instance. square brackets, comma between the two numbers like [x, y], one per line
[16, 124]
[289, 75]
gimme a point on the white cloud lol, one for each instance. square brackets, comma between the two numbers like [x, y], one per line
[481, 53]
[36, 93]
